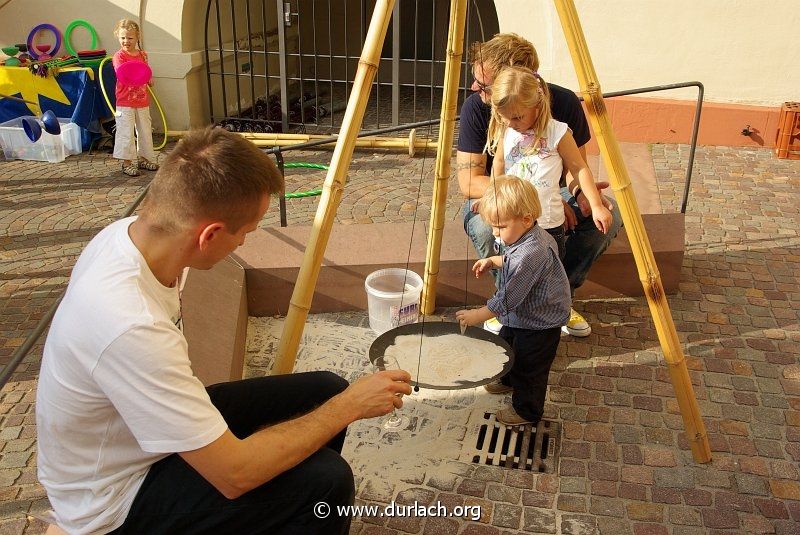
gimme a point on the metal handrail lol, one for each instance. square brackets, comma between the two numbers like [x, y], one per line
[695, 126]
[24, 349]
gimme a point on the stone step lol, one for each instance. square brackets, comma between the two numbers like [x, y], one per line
[271, 259]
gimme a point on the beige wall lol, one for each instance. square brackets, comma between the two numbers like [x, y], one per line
[743, 51]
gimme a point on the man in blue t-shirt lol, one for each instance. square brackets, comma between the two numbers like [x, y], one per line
[585, 243]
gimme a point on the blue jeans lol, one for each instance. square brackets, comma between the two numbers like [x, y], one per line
[584, 243]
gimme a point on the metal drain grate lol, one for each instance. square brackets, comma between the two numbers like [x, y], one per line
[520, 447]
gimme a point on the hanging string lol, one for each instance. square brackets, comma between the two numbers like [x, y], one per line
[416, 206]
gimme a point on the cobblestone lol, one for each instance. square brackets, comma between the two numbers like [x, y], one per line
[630, 470]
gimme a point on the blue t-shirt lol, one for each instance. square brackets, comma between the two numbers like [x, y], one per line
[474, 120]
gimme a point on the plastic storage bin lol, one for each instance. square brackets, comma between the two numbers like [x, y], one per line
[71, 137]
[392, 298]
[17, 145]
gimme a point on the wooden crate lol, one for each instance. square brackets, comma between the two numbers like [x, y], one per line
[787, 142]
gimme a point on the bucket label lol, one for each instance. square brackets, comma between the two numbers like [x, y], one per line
[405, 315]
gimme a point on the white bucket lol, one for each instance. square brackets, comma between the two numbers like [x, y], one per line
[388, 304]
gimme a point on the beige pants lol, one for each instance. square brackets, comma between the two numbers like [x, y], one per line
[125, 144]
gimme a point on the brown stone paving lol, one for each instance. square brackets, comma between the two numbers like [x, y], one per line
[625, 466]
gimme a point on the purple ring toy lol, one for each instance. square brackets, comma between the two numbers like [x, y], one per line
[32, 49]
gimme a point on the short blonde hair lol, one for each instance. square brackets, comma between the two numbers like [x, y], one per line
[509, 197]
[504, 50]
[210, 174]
[516, 89]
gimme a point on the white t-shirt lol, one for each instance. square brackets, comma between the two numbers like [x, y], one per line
[542, 169]
[116, 391]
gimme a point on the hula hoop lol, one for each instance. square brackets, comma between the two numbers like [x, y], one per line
[303, 165]
[36, 29]
[68, 33]
[114, 111]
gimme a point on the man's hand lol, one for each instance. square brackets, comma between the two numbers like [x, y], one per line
[377, 394]
[570, 220]
[583, 202]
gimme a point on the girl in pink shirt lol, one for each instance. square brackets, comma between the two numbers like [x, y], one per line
[133, 107]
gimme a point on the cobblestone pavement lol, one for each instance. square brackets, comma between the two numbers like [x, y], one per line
[625, 465]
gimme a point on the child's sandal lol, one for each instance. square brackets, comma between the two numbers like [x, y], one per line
[145, 164]
[130, 170]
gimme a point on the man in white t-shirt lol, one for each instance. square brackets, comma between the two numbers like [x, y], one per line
[129, 440]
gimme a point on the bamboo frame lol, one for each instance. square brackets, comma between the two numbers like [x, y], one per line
[452, 72]
[640, 244]
[410, 143]
[300, 302]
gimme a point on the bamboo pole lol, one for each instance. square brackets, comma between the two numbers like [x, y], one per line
[452, 73]
[365, 142]
[410, 143]
[332, 189]
[640, 244]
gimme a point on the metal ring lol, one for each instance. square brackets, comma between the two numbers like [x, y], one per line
[68, 33]
[32, 49]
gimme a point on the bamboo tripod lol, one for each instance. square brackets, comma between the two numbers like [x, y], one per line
[640, 244]
[334, 183]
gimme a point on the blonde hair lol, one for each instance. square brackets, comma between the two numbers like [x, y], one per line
[504, 50]
[210, 174]
[516, 89]
[128, 24]
[509, 197]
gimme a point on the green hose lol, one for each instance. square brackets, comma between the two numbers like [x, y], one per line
[303, 165]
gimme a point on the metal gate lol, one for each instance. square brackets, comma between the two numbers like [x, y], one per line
[287, 66]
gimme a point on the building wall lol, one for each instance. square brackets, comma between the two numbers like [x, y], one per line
[743, 51]
[740, 50]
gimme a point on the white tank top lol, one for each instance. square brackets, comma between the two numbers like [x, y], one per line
[541, 167]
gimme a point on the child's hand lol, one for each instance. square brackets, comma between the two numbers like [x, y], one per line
[602, 218]
[583, 202]
[482, 266]
[468, 317]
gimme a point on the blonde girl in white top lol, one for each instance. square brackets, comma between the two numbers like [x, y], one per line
[536, 148]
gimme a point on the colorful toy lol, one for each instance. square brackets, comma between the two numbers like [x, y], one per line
[134, 73]
[34, 130]
[50, 51]
[68, 35]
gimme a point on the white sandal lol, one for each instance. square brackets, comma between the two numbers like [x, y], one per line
[145, 164]
[130, 170]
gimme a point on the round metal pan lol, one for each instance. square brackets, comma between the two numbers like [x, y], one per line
[440, 328]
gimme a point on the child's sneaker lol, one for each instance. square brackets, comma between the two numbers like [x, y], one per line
[576, 325]
[492, 325]
[508, 416]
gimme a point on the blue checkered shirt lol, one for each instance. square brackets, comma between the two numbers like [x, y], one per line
[534, 289]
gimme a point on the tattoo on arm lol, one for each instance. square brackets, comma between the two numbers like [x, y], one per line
[469, 165]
